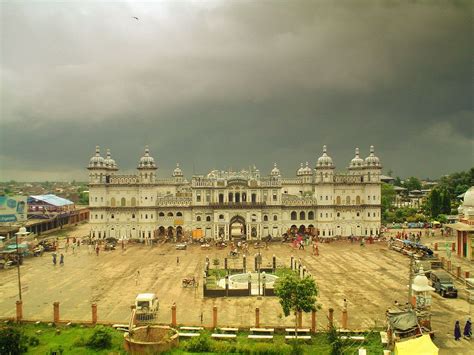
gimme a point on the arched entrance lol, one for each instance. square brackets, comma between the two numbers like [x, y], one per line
[237, 228]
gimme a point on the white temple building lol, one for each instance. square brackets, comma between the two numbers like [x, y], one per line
[226, 204]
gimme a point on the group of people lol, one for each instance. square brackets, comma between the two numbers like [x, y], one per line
[467, 330]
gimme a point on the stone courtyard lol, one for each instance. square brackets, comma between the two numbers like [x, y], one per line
[371, 278]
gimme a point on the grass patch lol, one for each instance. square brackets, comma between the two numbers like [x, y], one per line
[284, 271]
[69, 340]
[218, 273]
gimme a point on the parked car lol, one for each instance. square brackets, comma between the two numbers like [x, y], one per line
[146, 305]
[181, 246]
[443, 284]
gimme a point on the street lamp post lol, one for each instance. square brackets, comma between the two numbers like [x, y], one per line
[21, 232]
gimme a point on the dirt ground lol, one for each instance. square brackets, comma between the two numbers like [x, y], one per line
[371, 278]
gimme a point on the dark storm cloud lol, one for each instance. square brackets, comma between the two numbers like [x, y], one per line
[217, 85]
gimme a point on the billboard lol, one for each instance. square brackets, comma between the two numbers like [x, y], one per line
[13, 208]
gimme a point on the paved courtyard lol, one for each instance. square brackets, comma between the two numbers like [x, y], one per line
[370, 277]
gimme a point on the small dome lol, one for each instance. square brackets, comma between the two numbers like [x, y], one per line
[96, 161]
[109, 162]
[300, 171]
[275, 170]
[147, 161]
[177, 171]
[372, 160]
[357, 161]
[325, 161]
[307, 170]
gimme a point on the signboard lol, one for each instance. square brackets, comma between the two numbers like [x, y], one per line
[13, 208]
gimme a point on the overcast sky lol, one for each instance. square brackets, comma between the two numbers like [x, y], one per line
[227, 84]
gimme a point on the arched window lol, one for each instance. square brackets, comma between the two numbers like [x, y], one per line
[231, 197]
[302, 215]
[348, 200]
[221, 198]
[161, 214]
[338, 214]
[112, 216]
[221, 216]
[146, 216]
[170, 214]
[338, 200]
[265, 218]
[358, 200]
[275, 217]
[134, 202]
[208, 218]
[179, 214]
[293, 215]
[112, 202]
[310, 215]
[133, 215]
[198, 218]
[123, 202]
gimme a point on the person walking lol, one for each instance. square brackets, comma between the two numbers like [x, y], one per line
[90, 248]
[97, 250]
[54, 259]
[74, 248]
[137, 277]
[457, 331]
[468, 329]
[61, 259]
[177, 260]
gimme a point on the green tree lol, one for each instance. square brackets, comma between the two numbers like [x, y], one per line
[446, 202]
[297, 295]
[388, 197]
[398, 181]
[435, 203]
[412, 183]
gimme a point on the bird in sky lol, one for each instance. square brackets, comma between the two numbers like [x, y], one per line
[136, 18]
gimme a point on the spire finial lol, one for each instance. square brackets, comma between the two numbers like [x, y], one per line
[97, 151]
[147, 150]
[372, 150]
[108, 153]
[325, 148]
[307, 164]
[357, 152]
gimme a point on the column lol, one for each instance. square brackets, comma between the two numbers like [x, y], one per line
[19, 311]
[331, 318]
[313, 321]
[56, 312]
[344, 319]
[94, 313]
[173, 315]
[214, 317]
[257, 317]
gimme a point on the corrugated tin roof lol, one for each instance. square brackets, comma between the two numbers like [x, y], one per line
[52, 200]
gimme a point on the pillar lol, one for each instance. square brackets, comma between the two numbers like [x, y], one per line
[300, 319]
[436, 246]
[467, 274]
[257, 317]
[173, 315]
[344, 319]
[331, 318]
[291, 262]
[225, 263]
[227, 285]
[274, 263]
[56, 312]
[94, 313]
[214, 317]
[244, 263]
[449, 265]
[453, 246]
[19, 311]
[458, 271]
[313, 321]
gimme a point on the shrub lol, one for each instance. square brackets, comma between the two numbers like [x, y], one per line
[12, 341]
[100, 339]
[33, 341]
[200, 344]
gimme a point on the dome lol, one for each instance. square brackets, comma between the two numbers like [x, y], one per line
[372, 160]
[300, 171]
[325, 161]
[109, 162]
[307, 170]
[147, 161]
[469, 198]
[275, 170]
[357, 161]
[96, 161]
[177, 171]
[420, 282]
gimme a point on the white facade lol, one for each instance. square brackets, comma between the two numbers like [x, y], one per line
[230, 203]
